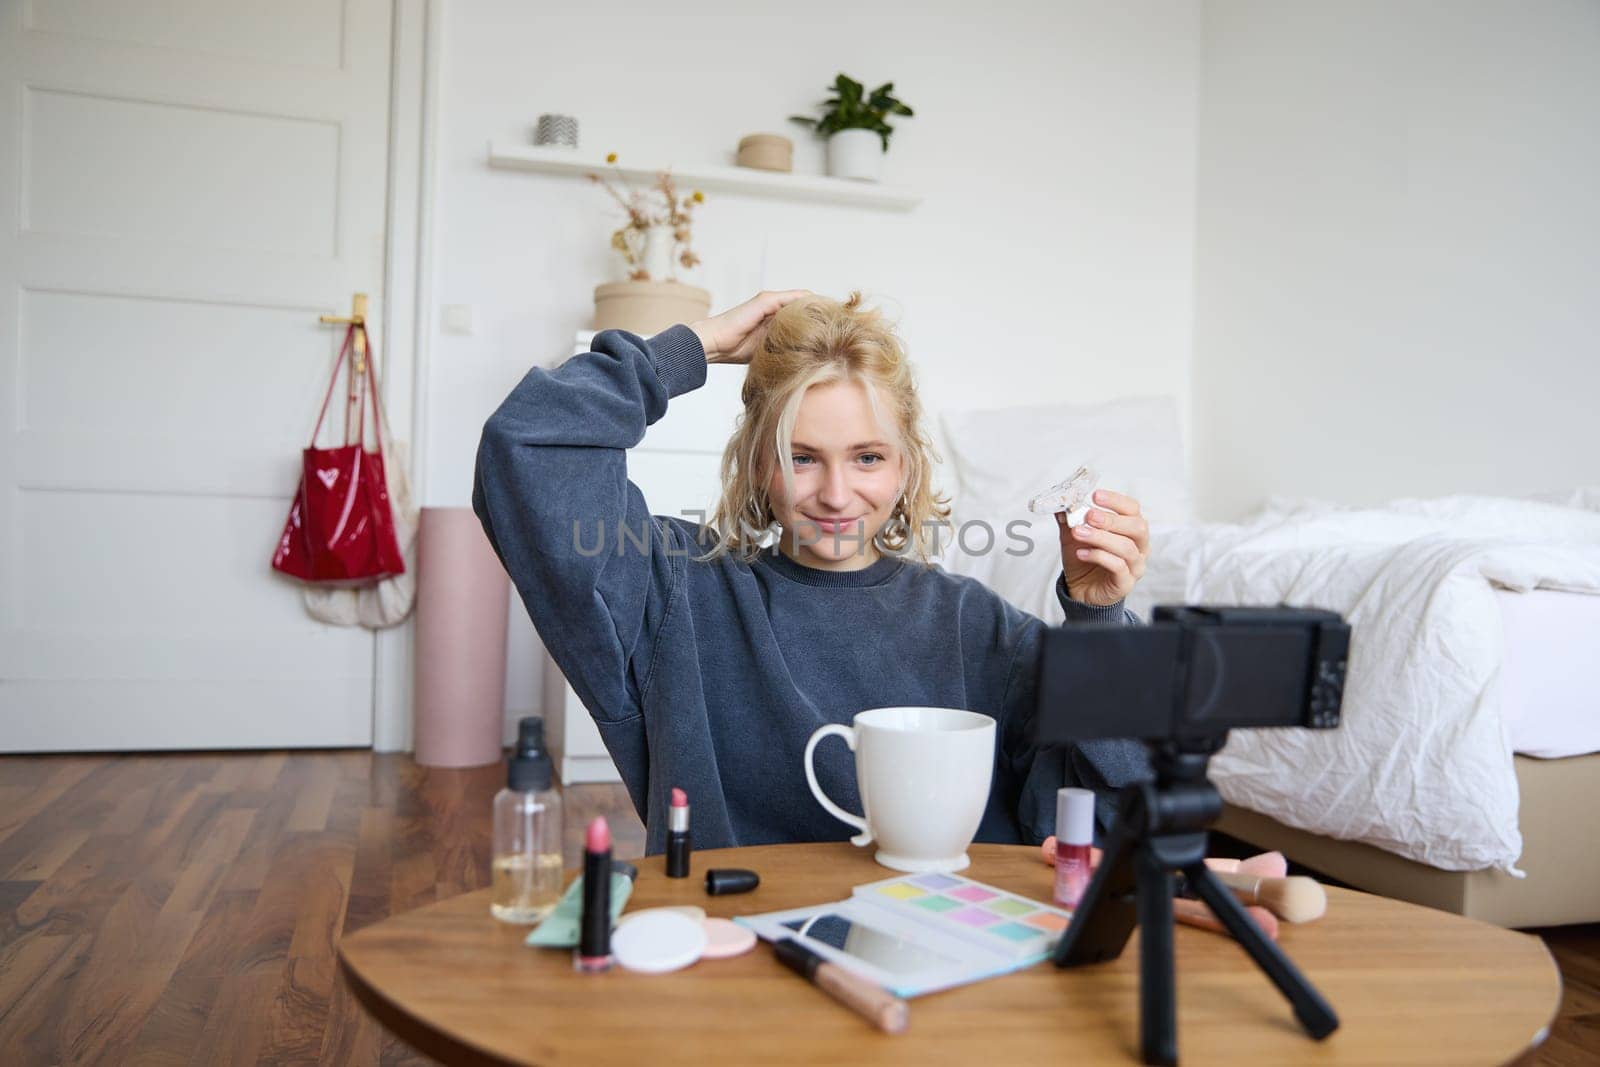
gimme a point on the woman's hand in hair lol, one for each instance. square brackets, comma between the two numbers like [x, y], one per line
[1105, 555]
[735, 335]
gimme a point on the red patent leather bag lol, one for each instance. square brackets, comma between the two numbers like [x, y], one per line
[340, 529]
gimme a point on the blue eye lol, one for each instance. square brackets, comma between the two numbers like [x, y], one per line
[798, 459]
[872, 455]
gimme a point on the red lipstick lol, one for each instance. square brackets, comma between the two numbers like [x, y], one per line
[594, 931]
[678, 836]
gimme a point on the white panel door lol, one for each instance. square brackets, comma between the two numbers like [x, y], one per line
[190, 184]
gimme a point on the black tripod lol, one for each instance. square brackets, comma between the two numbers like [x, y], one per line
[1160, 829]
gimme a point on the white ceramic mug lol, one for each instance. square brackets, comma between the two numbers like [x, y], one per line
[924, 776]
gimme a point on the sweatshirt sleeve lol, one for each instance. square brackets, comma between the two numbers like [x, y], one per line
[1104, 765]
[595, 570]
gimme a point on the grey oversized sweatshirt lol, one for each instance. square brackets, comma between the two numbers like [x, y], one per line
[711, 676]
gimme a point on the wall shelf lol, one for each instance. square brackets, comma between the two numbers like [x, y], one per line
[714, 179]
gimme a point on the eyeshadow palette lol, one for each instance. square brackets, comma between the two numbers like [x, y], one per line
[919, 933]
[1001, 921]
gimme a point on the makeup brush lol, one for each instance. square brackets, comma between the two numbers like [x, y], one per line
[1195, 913]
[1265, 865]
[1296, 899]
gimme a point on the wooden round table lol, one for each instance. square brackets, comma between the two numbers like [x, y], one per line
[1410, 984]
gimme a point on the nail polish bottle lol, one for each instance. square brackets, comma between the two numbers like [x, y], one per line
[526, 871]
[1074, 836]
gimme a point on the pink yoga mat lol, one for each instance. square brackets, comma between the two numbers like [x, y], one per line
[461, 642]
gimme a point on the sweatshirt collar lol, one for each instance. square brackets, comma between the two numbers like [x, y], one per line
[879, 571]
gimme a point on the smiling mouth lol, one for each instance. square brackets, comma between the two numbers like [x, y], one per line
[834, 524]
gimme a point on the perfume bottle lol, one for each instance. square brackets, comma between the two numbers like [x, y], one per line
[1074, 835]
[526, 870]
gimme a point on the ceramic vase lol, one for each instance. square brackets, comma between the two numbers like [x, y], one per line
[657, 255]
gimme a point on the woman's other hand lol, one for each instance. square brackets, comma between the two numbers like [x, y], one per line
[1105, 555]
[736, 334]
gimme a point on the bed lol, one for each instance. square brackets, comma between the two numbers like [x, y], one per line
[1468, 761]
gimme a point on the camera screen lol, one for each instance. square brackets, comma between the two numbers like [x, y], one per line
[1194, 673]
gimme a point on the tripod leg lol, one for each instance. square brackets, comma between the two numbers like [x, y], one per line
[1314, 1013]
[1158, 992]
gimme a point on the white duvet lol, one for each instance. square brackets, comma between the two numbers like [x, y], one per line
[1421, 765]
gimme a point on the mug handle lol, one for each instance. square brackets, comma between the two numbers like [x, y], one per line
[849, 735]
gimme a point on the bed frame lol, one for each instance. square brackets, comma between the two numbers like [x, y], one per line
[1560, 852]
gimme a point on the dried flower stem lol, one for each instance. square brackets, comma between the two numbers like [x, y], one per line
[647, 208]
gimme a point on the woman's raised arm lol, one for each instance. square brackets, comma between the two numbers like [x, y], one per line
[594, 569]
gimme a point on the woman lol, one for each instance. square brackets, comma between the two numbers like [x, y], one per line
[706, 659]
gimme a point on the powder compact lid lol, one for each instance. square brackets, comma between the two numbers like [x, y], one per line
[658, 941]
[726, 939]
[692, 911]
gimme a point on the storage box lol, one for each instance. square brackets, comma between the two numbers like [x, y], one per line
[647, 308]
[766, 151]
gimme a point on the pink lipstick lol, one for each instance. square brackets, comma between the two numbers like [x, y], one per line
[594, 931]
[678, 836]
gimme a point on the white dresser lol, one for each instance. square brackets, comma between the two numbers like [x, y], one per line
[677, 467]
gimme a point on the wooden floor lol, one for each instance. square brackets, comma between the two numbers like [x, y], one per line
[184, 909]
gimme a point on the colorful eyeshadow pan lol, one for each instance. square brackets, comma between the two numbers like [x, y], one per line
[937, 904]
[973, 894]
[1014, 926]
[975, 916]
[901, 891]
[1014, 931]
[936, 881]
[1009, 907]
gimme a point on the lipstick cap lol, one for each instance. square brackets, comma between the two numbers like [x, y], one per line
[731, 880]
[1075, 816]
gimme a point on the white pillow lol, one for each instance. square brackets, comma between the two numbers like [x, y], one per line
[1003, 457]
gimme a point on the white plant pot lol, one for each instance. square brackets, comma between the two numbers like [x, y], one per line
[856, 154]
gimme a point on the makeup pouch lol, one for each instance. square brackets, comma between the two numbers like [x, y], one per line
[560, 928]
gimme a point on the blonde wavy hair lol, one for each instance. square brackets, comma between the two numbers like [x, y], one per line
[819, 341]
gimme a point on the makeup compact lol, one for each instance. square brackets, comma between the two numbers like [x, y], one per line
[921, 933]
[659, 941]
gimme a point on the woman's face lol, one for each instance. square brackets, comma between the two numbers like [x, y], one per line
[846, 480]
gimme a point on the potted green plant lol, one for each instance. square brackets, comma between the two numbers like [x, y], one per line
[856, 126]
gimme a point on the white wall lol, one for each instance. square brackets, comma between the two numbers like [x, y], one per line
[1054, 144]
[1398, 264]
